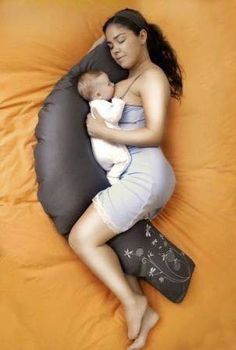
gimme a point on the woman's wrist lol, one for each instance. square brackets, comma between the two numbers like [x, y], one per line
[105, 132]
[114, 135]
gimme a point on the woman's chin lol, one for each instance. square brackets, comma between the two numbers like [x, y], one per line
[123, 65]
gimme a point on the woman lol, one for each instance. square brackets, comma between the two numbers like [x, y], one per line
[148, 183]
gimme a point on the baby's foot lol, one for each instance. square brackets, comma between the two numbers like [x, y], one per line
[134, 313]
[149, 320]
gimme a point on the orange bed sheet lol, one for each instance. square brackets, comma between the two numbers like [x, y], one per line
[48, 298]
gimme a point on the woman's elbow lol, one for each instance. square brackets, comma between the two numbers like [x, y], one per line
[154, 140]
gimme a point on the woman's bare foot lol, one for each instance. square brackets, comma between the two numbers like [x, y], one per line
[134, 313]
[150, 318]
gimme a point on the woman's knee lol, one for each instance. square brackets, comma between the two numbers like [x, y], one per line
[89, 230]
[86, 235]
[80, 235]
[77, 240]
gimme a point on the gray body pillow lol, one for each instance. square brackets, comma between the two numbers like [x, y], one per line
[69, 177]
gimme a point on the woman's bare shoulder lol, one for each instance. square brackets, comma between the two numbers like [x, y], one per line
[155, 76]
[154, 72]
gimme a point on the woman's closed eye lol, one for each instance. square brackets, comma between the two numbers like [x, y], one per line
[119, 42]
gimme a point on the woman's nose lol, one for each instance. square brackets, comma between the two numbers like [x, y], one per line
[115, 49]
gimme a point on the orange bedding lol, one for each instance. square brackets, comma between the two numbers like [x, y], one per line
[48, 298]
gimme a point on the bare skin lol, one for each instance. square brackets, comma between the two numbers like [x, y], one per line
[139, 315]
[151, 90]
[149, 320]
[87, 238]
[90, 233]
[98, 42]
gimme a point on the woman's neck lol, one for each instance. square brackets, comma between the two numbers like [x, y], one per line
[140, 66]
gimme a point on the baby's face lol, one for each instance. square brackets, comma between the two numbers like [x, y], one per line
[104, 87]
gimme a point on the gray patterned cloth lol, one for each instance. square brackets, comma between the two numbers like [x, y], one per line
[145, 252]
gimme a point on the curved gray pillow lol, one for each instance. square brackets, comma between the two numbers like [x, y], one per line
[69, 177]
[67, 173]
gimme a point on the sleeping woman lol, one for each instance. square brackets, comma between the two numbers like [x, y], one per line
[149, 181]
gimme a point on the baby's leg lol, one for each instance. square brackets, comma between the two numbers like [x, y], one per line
[114, 173]
[149, 319]
[121, 163]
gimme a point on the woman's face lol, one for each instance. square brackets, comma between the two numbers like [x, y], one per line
[126, 48]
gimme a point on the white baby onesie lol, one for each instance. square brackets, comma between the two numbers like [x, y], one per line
[112, 157]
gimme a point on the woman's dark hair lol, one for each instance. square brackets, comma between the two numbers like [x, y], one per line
[160, 51]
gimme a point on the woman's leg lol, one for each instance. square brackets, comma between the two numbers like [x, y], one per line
[87, 238]
[149, 319]
[134, 284]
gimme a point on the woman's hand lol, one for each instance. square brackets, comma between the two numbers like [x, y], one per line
[98, 42]
[96, 127]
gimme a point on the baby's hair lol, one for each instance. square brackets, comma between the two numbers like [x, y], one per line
[86, 83]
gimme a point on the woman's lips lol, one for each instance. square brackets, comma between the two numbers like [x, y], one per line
[120, 58]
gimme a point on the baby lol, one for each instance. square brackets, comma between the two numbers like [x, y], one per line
[95, 87]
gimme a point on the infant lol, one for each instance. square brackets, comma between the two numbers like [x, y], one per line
[95, 87]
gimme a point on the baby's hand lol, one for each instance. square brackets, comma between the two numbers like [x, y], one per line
[95, 126]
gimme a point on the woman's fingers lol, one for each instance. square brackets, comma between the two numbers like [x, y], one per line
[95, 113]
[95, 123]
[89, 115]
[98, 116]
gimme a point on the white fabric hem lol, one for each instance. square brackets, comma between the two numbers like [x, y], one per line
[116, 229]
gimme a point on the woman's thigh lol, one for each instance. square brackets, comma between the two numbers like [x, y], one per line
[90, 228]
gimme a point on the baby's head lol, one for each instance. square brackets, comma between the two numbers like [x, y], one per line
[95, 84]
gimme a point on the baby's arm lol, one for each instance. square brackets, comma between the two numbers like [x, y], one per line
[110, 112]
[116, 110]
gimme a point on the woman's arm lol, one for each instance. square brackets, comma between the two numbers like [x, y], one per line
[155, 94]
[141, 137]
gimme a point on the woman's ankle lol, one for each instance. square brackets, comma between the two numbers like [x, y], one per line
[132, 301]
